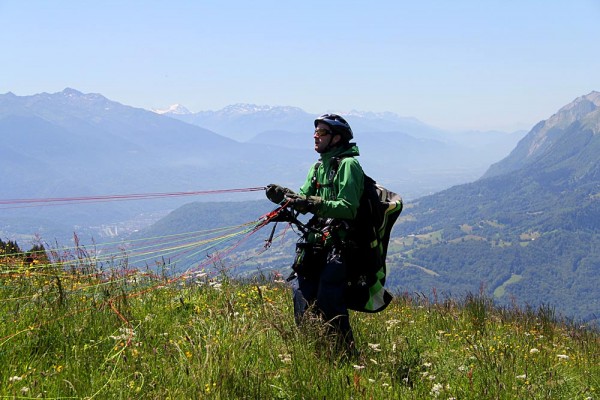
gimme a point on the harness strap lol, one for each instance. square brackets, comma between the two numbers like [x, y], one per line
[314, 181]
[335, 163]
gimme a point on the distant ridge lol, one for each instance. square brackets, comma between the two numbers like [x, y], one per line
[583, 111]
[242, 121]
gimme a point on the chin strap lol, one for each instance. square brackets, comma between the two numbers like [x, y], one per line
[331, 146]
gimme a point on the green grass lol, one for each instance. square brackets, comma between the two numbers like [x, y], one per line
[124, 335]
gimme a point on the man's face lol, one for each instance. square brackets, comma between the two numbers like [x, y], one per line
[324, 137]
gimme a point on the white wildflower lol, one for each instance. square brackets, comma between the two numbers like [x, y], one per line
[374, 346]
[562, 357]
[436, 389]
[427, 364]
[285, 358]
[524, 376]
[533, 351]
[24, 389]
[393, 322]
[126, 334]
[371, 380]
[15, 379]
[358, 366]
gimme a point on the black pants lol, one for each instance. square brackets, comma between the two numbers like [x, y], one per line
[324, 294]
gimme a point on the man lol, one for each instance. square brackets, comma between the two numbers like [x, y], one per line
[331, 192]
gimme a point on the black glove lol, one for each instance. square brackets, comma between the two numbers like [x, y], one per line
[303, 204]
[277, 193]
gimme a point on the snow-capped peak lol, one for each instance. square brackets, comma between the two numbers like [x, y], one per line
[246, 109]
[177, 109]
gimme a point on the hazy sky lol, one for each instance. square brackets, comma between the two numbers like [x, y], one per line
[453, 64]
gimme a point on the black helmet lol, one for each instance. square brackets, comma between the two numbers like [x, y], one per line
[338, 125]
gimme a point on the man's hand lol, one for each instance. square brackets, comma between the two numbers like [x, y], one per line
[277, 193]
[303, 204]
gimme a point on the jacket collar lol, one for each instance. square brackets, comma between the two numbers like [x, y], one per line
[351, 150]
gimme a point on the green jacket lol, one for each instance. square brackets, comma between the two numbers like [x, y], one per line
[342, 192]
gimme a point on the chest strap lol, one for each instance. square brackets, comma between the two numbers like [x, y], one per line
[335, 163]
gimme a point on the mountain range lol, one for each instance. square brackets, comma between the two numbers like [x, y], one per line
[268, 124]
[71, 144]
[402, 152]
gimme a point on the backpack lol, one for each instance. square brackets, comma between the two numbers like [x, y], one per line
[366, 248]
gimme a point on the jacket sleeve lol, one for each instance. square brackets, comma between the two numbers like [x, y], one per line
[348, 184]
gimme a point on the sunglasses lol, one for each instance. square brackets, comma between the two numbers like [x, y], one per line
[322, 132]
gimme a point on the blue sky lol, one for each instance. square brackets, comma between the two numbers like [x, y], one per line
[453, 64]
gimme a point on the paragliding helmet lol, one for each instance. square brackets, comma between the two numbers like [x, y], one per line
[338, 125]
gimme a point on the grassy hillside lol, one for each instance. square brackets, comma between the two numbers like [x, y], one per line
[485, 232]
[83, 330]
